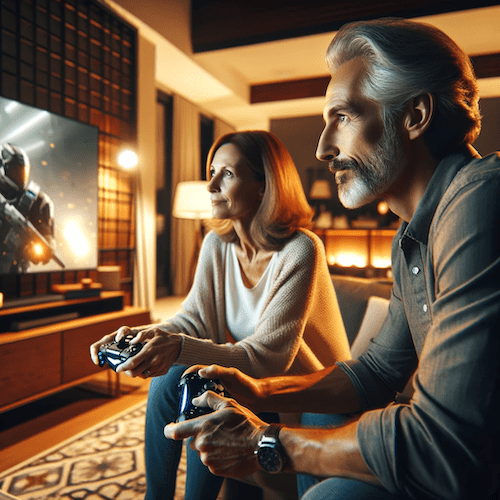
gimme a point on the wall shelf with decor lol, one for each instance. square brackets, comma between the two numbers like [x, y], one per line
[358, 252]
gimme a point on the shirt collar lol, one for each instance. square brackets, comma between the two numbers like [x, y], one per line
[447, 169]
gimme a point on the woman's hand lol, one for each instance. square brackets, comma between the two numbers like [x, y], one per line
[119, 334]
[161, 350]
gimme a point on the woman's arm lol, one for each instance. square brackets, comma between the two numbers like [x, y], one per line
[300, 329]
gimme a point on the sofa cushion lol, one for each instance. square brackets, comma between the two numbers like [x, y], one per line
[374, 316]
[353, 294]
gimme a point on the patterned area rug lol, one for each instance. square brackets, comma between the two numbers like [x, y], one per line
[104, 462]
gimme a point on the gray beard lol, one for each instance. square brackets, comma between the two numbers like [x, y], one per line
[373, 177]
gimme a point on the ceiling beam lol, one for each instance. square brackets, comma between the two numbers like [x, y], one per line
[220, 24]
[485, 66]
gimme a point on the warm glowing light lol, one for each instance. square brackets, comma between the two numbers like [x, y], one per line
[383, 208]
[359, 247]
[37, 249]
[381, 263]
[76, 239]
[127, 159]
[351, 260]
[380, 248]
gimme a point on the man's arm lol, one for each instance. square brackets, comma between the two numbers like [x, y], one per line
[327, 391]
[326, 452]
[228, 438]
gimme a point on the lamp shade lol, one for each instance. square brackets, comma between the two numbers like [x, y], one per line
[320, 190]
[192, 201]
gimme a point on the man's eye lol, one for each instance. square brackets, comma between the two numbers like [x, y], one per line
[228, 173]
[342, 118]
[212, 173]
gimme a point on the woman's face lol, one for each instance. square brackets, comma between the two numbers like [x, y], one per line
[234, 191]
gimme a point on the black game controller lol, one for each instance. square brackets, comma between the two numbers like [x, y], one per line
[115, 353]
[191, 386]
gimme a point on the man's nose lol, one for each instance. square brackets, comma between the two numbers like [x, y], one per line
[327, 150]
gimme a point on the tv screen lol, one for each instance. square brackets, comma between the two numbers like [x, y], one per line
[48, 191]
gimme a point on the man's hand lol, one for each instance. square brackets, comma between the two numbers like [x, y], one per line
[225, 439]
[243, 388]
[159, 353]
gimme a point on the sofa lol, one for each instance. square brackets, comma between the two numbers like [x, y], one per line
[363, 305]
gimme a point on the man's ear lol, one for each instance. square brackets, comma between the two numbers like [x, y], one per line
[418, 115]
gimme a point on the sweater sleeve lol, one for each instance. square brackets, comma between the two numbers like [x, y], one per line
[300, 328]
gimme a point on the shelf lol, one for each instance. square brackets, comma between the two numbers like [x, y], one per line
[23, 317]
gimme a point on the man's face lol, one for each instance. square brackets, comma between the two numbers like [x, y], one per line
[365, 155]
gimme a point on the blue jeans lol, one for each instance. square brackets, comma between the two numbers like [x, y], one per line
[336, 488]
[163, 455]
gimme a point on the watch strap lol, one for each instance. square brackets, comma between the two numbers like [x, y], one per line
[271, 433]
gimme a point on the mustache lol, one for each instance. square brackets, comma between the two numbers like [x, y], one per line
[342, 164]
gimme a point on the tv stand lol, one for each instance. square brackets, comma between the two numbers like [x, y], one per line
[40, 361]
[38, 313]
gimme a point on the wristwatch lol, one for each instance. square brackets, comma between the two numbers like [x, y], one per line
[270, 454]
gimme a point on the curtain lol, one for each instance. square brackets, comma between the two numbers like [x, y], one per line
[185, 167]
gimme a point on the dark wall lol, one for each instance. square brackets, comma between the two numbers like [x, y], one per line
[300, 135]
[489, 138]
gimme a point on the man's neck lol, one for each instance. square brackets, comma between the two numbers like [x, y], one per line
[405, 194]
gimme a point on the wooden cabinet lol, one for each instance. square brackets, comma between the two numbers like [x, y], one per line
[40, 361]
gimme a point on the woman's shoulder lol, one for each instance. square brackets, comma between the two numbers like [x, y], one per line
[212, 244]
[303, 241]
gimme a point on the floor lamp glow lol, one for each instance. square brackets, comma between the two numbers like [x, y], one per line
[128, 160]
[192, 201]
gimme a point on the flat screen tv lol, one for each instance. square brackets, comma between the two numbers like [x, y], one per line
[49, 192]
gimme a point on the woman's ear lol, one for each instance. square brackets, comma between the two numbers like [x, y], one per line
[418, 115]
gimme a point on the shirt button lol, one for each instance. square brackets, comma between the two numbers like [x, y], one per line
[415, 270]
[425, 308]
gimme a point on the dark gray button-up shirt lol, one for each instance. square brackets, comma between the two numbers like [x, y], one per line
[443, 320]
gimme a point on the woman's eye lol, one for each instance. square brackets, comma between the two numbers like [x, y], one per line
[228, 173]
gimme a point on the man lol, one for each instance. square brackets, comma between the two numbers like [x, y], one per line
[401, 112]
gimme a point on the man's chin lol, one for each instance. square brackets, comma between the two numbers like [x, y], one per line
[354, 196]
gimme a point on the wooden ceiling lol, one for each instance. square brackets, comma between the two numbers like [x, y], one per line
[220, 24]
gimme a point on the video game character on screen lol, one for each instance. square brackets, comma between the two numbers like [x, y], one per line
[26, 215]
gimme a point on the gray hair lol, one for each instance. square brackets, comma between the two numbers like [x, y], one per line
[406, 59]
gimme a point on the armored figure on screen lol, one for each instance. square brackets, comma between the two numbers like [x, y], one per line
[26, 215]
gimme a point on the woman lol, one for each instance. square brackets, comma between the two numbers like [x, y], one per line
[262, 298]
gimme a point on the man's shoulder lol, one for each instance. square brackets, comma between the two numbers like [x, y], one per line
[487, 167]
[480, 170]
[474, 185]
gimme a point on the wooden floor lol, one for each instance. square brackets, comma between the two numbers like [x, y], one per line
[33, 428]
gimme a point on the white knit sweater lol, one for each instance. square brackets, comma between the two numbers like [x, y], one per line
[300, 329]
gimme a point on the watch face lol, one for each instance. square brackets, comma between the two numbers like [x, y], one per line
[269, 459]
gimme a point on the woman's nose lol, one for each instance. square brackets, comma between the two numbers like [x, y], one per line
[213, 185]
